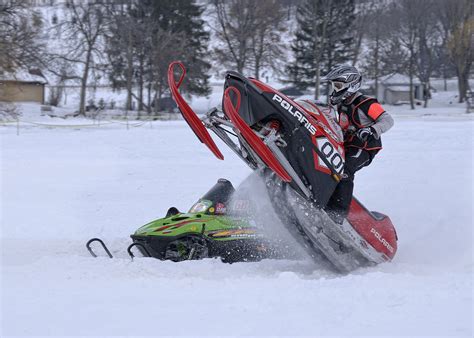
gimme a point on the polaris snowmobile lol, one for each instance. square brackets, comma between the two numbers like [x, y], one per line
[297, 147]
[217, 225]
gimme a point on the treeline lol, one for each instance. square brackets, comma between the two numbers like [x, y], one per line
[131, 43]
[418, 38]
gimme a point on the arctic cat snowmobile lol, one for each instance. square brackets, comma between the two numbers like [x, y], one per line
[297, 147]
[217, 225]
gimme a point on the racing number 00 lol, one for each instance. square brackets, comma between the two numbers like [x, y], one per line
[332, 155]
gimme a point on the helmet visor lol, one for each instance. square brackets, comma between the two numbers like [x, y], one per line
[337, 86]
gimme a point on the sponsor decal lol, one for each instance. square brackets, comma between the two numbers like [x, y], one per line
[178, 225]
[296, 113]
[382, 240]
[241, 205]
[233, 233]
[220, 208]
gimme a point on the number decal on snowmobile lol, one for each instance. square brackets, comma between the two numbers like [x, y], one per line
[332, 155]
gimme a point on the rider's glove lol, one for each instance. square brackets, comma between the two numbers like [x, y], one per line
[365, 133]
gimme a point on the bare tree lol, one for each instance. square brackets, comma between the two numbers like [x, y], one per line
[120, 49]
[376, 32]
[19, 44]
[249, 33]
[266, 46]
[428, 41]
[165, 46]
[321, 32]
[235, 24]
[405, 38]
[85, 27]
[403, 22]
[366, 12]
[457, 23]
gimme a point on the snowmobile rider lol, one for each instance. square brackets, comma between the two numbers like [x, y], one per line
[363, 120]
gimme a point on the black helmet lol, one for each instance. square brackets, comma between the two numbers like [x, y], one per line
[345, 81]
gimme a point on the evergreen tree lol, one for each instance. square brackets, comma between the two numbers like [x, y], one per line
[183, 18]
[323, 39]
[146, 36]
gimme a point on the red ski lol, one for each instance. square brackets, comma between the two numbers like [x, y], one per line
[189, 115]
[249, 135]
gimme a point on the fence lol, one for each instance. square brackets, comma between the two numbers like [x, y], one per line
[96, 122]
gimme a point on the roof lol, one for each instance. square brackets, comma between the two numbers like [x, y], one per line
[398, 88]
[397, 79]
[23, 75]
[393, 79]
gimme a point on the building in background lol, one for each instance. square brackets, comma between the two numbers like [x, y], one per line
[394, 89]
[22, 86]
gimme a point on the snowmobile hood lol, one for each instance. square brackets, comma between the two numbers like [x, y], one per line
[215, 226]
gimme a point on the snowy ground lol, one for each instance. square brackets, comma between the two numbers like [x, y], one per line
[61, 186]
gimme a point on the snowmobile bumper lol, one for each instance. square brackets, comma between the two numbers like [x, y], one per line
[156, 246]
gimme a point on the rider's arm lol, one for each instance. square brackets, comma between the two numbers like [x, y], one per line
[383, 123]
[382, 120]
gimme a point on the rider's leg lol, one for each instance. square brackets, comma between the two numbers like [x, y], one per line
[338, 205]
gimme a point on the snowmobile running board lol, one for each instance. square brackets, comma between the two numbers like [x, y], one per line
[143, 249]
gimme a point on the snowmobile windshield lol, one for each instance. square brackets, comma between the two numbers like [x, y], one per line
[313, 107]
[220, 192]
[200, 206]
[216, 199]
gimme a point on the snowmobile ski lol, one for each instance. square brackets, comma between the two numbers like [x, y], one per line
[253, 140]
[189, 115]
[141, 247]
[92, 240]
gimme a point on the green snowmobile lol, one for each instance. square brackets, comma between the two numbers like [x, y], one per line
[215, 226]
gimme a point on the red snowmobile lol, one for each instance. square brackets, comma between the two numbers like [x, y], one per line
[298, 149]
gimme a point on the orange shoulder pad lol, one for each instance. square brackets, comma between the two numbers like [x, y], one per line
[375, 110]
